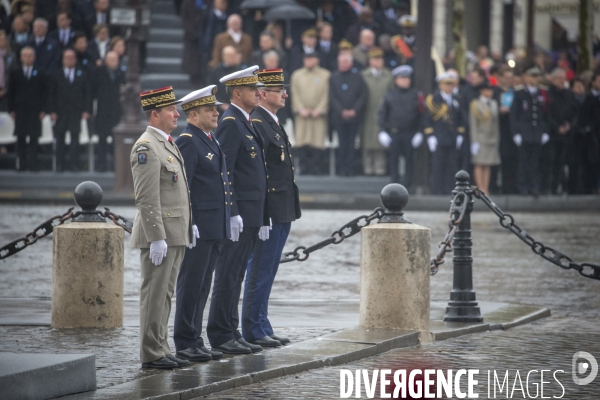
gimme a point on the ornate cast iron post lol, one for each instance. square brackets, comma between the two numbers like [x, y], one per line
[463, 306]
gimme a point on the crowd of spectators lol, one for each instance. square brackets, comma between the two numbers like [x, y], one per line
[340, 70]
[63, 60]
[345, 87]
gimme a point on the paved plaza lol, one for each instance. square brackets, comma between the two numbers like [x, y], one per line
[320, 296]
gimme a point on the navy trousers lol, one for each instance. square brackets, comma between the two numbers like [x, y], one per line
[444, 166]
[260, 274]
[223, 317]
[529, 167]
[193, 286]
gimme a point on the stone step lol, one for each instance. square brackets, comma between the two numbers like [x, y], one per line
[153, 81]
[160, 20]
[171, 65]
[163, 7]
[45, 376]
[166, 35]
[165, 49]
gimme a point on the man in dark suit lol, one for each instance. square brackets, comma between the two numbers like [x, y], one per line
[99, 46]
[444, 129]
[27, 104]
[47, 50]
[20, 35]
[101, 15]
[328, 50]
[530, 129]
[70, 102]
[64, 34]
[284, 207]
[347, 101]
[107, 90]
[243, 146]
[211, 209]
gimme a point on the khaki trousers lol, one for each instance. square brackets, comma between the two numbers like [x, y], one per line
[158, 285]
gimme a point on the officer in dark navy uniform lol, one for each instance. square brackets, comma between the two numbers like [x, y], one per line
[400, 122]
[444, 129]
[243, 148]
[529, 127]
[210, 194]
[284, 207]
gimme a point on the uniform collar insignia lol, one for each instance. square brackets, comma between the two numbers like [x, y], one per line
[277, 136]
[170, 159]
[250, 137]
[210, 156]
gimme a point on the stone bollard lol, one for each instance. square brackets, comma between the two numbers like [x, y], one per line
[87, 267]
[394, 269]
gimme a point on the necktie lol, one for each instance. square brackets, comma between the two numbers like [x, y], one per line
[170, 139]
[210, 136]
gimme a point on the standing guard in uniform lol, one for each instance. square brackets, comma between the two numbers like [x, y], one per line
[162, 226]
[211, 198]
[400, 122]
[243, 147]
[284, 207]
[444, 127]
[528, 121]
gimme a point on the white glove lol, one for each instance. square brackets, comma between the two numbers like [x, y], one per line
[545, 138]
[417, 140]
[459, 141]
[518, 139]
[263, 233]
[475, 148]
[194, 237]
[432, 143]
[237, 226]
[158, 251]
[384, 139]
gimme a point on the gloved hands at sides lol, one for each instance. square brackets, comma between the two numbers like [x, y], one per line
[384, 139]
[417, 140]
[195, 236]
[237, 226]
[475, 148]
[459, 141]
[263, 233]
[158, 251]
[545, 138]
[432, 143]
[518, 139]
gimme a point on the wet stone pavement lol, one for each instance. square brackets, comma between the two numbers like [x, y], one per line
[505, 270]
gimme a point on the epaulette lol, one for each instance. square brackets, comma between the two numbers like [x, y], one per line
[226, 118]
[142, 141]
[519, 87]
[185, 134]
[256, 120]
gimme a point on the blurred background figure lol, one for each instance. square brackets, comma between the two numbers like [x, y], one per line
[310, 105]
[484, 128]
[107, 91]
[232, 37]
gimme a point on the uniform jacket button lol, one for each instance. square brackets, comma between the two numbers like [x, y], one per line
[168, 214]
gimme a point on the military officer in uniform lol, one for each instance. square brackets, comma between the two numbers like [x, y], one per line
[211, 198]
[162, 226]
[529, 127]
[444, 129]
[243, 147]
[284, 207]
[400, 122]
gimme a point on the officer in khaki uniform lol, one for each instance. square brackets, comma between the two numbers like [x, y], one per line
[162, 226]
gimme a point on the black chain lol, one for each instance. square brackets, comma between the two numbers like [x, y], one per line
[301, 253]
[458, 208]
[32, 237]
[507, 221]
[127, 225]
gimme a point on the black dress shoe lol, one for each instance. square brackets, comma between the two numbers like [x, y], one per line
[194, 354]
[233, 347]
[161, 363]
[266, 341]
[180, 361]
[282, 340]
[254, 347]
[215, 354]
